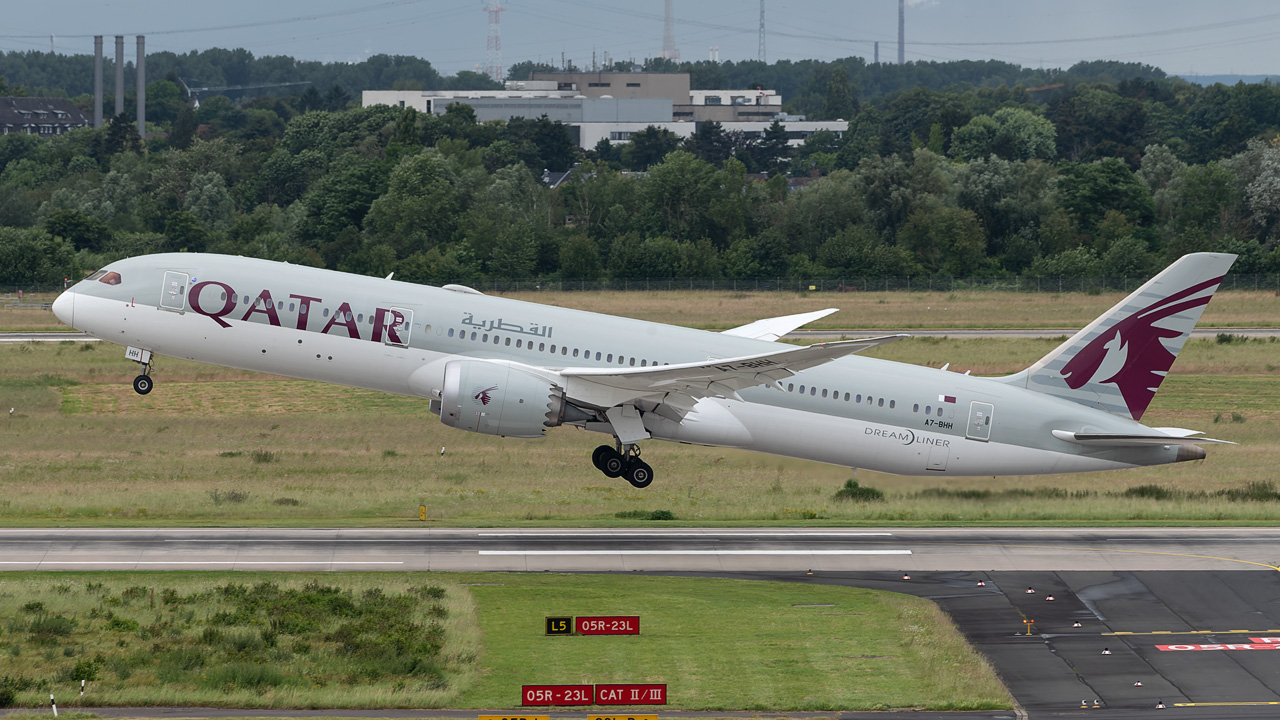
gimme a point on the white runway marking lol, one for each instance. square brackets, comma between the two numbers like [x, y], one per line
[661, 534]
[694, 552]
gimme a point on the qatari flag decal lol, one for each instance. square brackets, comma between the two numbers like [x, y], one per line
[947, 398]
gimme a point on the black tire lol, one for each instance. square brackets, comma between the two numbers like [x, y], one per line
[142, 384]
[597, 456]
[639, 474]
[612, 464]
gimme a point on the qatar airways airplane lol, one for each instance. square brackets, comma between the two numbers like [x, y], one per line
[505, 367]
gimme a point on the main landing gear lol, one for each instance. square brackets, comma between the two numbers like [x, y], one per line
[623, 462]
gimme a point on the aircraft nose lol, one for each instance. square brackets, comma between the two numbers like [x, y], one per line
[64, 307]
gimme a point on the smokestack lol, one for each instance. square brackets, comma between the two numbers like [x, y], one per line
[669, 50]
[119, 74]
[877, 52]
[97, 81]
[902, 13]
[141, 66]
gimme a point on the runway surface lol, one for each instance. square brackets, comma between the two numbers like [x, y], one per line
[1193, 614]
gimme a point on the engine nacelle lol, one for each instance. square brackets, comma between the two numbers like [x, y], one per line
[496, 399]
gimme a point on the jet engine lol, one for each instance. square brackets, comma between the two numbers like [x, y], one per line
[496, 399]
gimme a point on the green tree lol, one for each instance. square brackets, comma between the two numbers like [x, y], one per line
[29, 256]
[185, 232]
[184, 128]
[840, 102]
[648, 147]
[946, 241]
[420, 207]
[82, 231]
[772, 153]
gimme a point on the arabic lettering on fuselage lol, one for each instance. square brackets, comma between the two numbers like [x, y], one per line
[500, 325]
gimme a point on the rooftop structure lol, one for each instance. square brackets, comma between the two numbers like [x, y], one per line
[46, 117]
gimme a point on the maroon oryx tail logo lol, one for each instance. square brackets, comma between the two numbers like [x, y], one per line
[1130, 354]
[483, 395]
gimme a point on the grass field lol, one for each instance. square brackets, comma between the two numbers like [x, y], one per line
[719, 310]
[215, 446]
[334, 640]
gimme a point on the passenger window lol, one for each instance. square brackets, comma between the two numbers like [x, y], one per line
[542, 347]
[892, 403]
[633, 362]
[518, 343]
[575, 352]
[450, 332]
[928, 409]
[290, 307]
[280, 305]
[508, 342]
[484, 338]
[846, 397]
[359, 318]
[939, 411]
[857, 398]
[801, 389]
[496, 339]
[597, 355]
[813, 390]
[326, 310]
[609, 358]
[564, 349]
[824, 392]
[915, 408]
[881, 403]
[473, 334]
[642, 363]
[791, 387]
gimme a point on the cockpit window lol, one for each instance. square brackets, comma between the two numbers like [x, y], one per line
[96, 275]
[111, 278]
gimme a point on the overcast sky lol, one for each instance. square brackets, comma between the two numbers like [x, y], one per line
[1179, 36]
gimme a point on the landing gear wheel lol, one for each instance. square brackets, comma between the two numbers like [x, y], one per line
[142, 384]
[639, 474]
[598, 455]
[612, 464]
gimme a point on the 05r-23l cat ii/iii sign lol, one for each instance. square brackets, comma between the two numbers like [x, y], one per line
[504, 367]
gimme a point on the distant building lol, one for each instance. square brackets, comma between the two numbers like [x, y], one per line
[46, 117]
[598, 106]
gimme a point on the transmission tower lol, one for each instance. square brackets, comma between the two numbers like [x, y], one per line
[493, 61]
[902, 35]
[761, 51]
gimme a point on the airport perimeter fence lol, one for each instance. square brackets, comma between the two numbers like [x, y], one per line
[858, 284]
[8, 293]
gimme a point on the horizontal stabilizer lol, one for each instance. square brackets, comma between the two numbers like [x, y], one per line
[773, 328]
[1130, 440]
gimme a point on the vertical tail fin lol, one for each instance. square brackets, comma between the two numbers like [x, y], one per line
[1118, 361]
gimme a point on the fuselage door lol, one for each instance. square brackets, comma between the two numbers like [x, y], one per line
[396, 325]
[173, 296]
[980, 416]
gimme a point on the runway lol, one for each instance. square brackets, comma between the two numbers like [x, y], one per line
[641, 550]
[1193, 614]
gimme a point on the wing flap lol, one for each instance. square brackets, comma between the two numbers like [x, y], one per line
[605, 387]
[773, 328]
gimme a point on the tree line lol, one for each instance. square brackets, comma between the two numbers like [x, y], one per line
[1116, 175]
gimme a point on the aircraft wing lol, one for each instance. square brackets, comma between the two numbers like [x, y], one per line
[679, 386]
[773, 328]
[1132, 440]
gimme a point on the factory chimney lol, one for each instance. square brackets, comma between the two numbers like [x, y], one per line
[141, 67]
[669, 50]
[119, 89]
[97, 81]
[902, 12]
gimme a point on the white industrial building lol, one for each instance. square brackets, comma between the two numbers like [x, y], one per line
[587, 103]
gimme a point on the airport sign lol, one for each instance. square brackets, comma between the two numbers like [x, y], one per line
[532, 695]
[608, 625]
[631, 694]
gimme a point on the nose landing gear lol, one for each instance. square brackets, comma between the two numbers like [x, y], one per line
[143, 383]
[624, 462]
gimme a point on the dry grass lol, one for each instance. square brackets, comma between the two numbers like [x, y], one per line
[83, 449]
